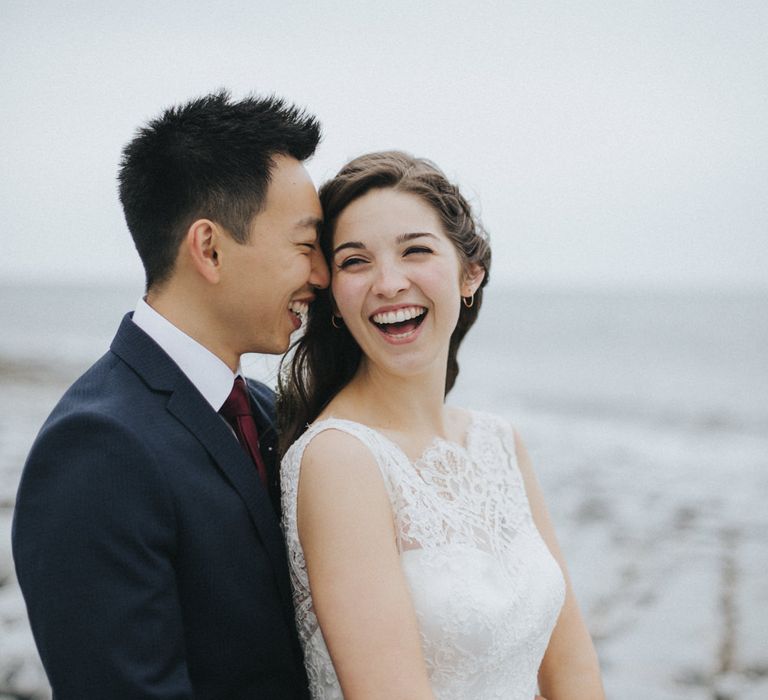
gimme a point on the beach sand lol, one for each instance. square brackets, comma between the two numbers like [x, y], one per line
[670, 565]
[665, 531]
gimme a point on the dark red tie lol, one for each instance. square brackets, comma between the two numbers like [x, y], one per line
[237, 411]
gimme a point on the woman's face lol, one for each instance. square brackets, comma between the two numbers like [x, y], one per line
[397, 281]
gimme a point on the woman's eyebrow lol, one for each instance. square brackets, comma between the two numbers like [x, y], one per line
[404, 237]
[349, 244]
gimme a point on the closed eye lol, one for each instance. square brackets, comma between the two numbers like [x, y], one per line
[350, 262]
[418, 250]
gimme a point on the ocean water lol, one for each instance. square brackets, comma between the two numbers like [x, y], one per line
[692, 358]
[646, 415]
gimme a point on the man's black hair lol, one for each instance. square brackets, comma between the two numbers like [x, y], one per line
[209, 158]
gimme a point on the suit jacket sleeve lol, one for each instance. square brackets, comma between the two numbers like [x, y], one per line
[93, 538]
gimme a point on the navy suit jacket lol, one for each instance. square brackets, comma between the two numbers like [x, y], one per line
[149, 553]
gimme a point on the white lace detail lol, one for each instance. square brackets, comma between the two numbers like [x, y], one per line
[486, 590]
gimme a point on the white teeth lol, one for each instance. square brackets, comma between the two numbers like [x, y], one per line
[400, 315]
[300, 308]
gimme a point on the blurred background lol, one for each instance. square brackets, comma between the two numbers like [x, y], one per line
[617, 153]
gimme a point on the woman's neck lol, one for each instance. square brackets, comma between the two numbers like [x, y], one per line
[409, 405]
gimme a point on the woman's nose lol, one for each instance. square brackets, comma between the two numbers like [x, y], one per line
[390, 280]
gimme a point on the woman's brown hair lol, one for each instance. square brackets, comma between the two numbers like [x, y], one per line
[325, 358]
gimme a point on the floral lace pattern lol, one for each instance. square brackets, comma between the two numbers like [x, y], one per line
[486, 590]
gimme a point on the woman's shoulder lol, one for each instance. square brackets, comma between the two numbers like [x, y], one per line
[333, 428]
[341, 440]
[333, 433]
[335, 457]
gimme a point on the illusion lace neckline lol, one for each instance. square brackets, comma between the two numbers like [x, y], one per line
[434, 445]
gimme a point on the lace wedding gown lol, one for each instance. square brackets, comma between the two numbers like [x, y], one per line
[486, 590]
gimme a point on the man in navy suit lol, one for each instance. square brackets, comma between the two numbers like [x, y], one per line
[146, 536]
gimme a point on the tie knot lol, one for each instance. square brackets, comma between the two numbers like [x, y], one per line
[237, 403]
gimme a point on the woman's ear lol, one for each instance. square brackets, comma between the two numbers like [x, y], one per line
[473, 276]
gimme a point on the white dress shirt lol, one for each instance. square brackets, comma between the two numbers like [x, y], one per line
[210, 375]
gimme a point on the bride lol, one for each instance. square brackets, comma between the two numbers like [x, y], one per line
[423, 561]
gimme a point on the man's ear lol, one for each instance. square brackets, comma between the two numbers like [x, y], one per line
[473, 276]
[202, 243]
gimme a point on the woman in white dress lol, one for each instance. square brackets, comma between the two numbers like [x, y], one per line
[423, 561]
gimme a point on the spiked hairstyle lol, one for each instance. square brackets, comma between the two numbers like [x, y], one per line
[208, 158]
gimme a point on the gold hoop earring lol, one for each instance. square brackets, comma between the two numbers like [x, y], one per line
[469, 304]
[333, 321]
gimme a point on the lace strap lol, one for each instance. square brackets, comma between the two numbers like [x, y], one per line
[383, 450]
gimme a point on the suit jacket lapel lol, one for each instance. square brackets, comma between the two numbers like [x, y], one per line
[186, 403]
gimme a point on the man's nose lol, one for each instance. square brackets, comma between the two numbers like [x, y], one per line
[319, 276]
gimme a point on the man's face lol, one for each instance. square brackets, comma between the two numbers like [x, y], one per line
[267, 282]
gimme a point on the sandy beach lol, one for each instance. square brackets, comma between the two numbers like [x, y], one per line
[662, 520]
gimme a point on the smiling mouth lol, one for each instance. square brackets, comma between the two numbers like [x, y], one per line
[300, 309]
[401, 323]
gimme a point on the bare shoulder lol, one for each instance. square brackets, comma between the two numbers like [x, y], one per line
[333, 449]
[342, 498]
[337, 466]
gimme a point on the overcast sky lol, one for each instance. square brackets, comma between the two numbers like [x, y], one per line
[604, 142]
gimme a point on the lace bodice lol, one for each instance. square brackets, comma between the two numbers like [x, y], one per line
[486, 590]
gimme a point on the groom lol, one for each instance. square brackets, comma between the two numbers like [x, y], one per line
[146, 533]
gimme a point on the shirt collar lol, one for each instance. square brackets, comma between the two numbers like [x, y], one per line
[210, 375]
